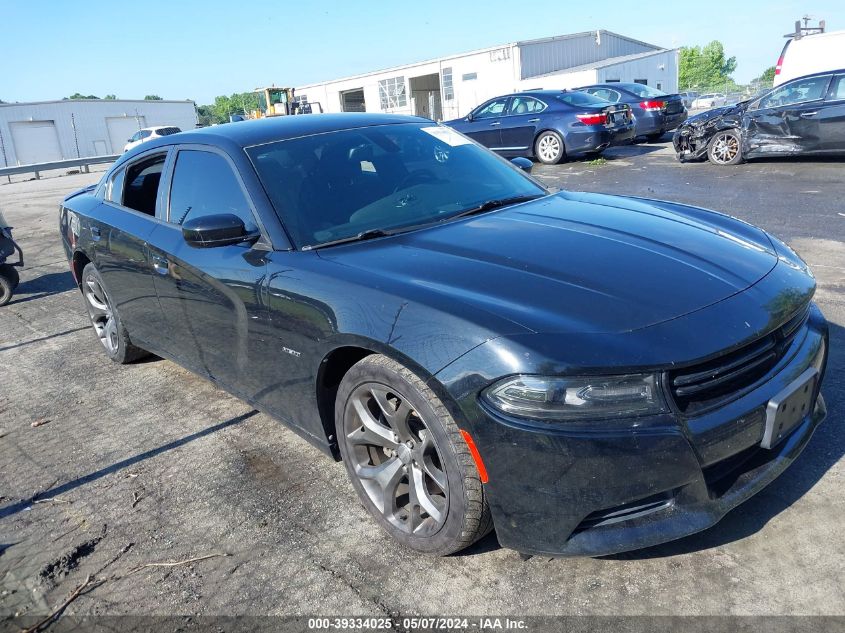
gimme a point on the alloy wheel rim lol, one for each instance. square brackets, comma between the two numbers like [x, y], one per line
[725, 148]
[549, 147]
[101, 313]
[395, 458]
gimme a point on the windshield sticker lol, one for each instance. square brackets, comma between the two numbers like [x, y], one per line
[447, 135]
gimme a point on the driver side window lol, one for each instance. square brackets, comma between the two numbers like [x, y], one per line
[204, 184]
[492, 109]
[798, 91]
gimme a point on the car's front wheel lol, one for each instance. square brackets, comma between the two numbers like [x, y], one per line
[407, 459]
[549, 149]
[106, 320]
[725, 148]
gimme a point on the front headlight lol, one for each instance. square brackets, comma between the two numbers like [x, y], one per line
[581, 397]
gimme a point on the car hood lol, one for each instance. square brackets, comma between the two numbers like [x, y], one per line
[571, 262]
[715, 113]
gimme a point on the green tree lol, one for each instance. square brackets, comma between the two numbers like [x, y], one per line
[705, 66]
[238, 103]
[110, 97]
[79, 95]
[153, 98]
[767, 78]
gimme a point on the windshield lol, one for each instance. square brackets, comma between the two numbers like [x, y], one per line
[645, 91]
[329, 187]
[581, 99]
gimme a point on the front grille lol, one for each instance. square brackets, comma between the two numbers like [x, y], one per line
[708, 384]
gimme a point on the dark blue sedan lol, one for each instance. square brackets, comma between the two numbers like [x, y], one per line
[655, 112]
[548, 125]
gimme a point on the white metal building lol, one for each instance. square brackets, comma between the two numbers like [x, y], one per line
[449, 87]
[73, 128]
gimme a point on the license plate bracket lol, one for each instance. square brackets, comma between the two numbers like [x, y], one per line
[789, 407]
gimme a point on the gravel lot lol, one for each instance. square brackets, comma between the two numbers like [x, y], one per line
[146, 463]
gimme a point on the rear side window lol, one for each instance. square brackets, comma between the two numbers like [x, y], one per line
[167, 131]
[526, 105]
[142, 180]
[204, 184]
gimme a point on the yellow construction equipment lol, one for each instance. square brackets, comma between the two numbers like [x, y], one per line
[275, 102]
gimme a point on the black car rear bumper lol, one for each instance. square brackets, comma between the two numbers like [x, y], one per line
[645, 482]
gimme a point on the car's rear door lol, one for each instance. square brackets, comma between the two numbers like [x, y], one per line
[119, 231]
[211, 297]
[832, 116]
[786, 120]
[484, 123]
[519, 127]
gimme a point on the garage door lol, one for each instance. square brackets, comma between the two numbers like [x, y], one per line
[121, 128]
[35, 141]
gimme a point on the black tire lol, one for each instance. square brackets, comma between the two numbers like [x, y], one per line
[7, 286]
[7, 270]
[653, 138]
[549, 148]
[464, 511]
[725, 148]
[112, 335]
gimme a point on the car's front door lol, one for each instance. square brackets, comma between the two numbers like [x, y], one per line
[786, 121]
[212, 298]
[120, 229]
[520, 126]
[832, 116]
[484, 122]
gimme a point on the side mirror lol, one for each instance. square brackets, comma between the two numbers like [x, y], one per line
[523, 163]
[469, 117]
[222, 229]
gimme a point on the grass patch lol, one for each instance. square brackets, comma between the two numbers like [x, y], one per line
[601, 160]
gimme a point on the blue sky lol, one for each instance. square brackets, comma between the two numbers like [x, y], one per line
[186, 50]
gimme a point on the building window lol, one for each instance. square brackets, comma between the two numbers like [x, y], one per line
[641, 81]
[470, 76]
[391, 93]
[446, 78]
[611, 81]
[659, 86]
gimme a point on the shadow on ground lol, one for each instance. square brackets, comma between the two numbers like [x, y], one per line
[43, 286]
[56, 490]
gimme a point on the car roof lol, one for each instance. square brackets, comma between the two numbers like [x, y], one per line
[267, 130]
[235, 136]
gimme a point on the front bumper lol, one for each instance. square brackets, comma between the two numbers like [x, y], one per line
[639, 483]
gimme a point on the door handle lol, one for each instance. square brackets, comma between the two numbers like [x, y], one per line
[95, 233]
[807, 115]
[496, 123]
[533, 120]
[160, 265]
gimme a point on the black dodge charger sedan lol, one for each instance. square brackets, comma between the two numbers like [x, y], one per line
[584, 373]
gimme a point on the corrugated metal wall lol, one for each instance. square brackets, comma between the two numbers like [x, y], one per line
[90, 120]
[559, 53]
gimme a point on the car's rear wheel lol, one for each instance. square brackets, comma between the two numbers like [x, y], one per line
[106, 320]
[407, 459]
[725, 148]
[548, 148]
